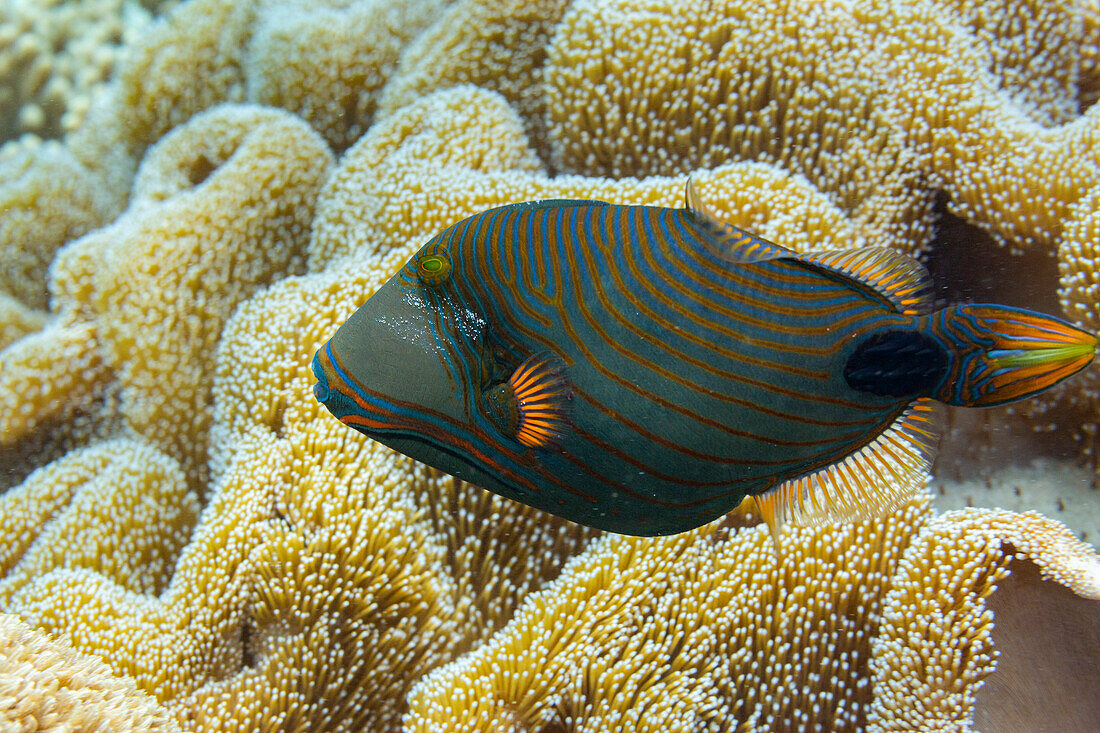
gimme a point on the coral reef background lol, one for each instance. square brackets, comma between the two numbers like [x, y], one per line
[193, 195]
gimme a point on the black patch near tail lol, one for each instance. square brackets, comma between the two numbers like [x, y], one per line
[896, 363]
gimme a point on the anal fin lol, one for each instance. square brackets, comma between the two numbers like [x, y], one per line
[869, 482]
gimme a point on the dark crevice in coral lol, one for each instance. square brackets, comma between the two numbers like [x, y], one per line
[282, 519]
[200, 169]
[278, 420]
[248, 655]
[968, 266]
[46, 443]
[1048, 641]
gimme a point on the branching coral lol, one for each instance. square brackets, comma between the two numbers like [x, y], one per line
[47, 686]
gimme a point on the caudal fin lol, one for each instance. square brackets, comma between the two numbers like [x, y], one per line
[999, 354]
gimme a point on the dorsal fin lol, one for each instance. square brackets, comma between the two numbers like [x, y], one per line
[866, 483]
[542, 204]
[727, 241]
[897, 277]
[693, 202]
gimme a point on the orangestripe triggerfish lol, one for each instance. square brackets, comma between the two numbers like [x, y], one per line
[642, 369]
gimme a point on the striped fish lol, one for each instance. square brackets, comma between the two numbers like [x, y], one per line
[643, 370]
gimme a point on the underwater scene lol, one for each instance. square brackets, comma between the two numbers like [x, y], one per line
[549, 366]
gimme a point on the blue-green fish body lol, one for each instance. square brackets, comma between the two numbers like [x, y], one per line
[644, 369]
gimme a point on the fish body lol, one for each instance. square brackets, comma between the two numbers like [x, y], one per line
[644, 369]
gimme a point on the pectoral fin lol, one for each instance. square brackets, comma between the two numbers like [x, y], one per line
[534, 404]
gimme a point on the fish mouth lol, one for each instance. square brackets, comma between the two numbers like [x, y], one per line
[374, 426]
[320, 388]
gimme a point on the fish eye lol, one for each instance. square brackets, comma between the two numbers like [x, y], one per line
[433, 269]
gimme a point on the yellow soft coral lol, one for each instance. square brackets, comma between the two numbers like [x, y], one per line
[432, 164]
[45, 685]
[327, 576]
[375, 199]
[706, 631]
[120, 508]
[55, 56]
[48, 198]
[220, 207]
[1034, 50]
[50, 375]
[1079, 262]
[190, 59]
[324, 563]
[499, 46]
[982, 124]
[328, 64]
[654, 87]
[873, 102]
[700, 631]
[936, 643]
[1077, 402]
[269, 573]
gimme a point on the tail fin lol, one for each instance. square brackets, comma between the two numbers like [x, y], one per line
[999, 354]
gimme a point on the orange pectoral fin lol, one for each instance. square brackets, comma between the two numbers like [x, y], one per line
[543, 400]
